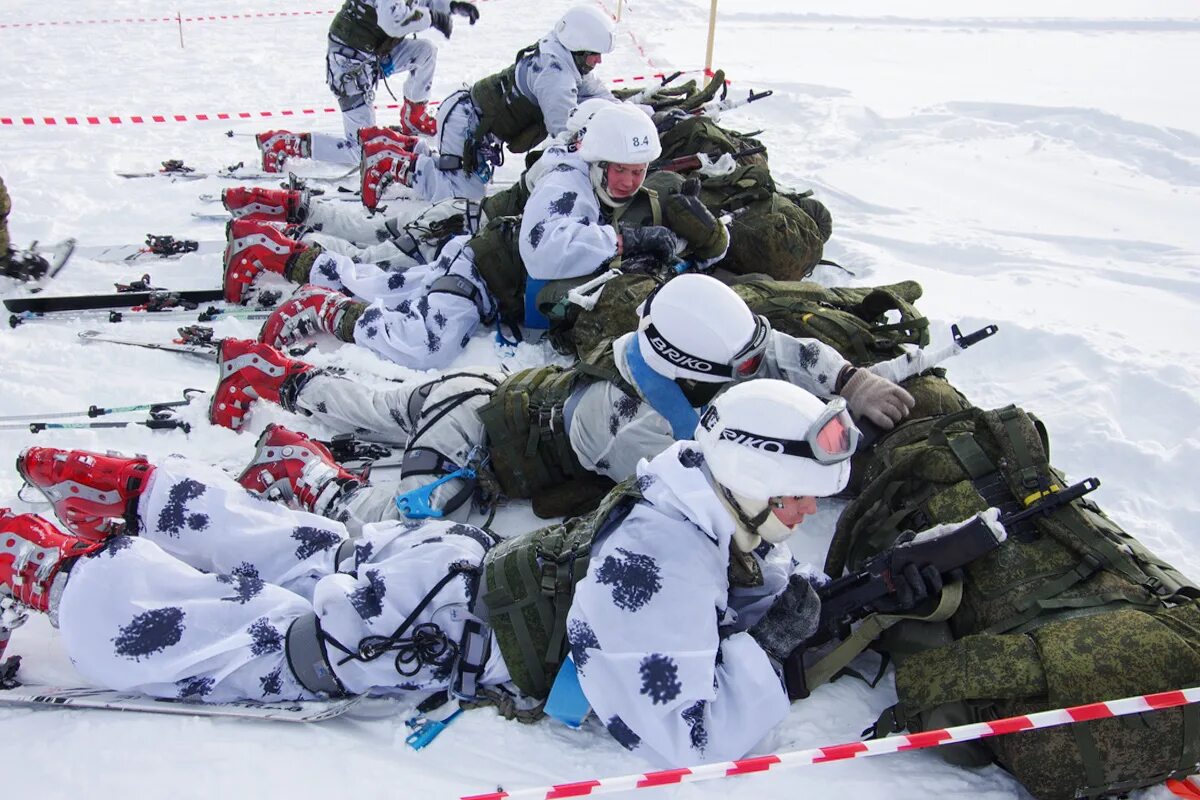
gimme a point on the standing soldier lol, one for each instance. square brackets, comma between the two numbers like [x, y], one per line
[518, 107]
[370, 40]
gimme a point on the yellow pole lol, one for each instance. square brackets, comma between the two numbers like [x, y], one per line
[620, 3]
[712, 30]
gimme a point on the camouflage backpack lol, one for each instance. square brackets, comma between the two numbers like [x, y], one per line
[529, 582]
[1069, 610]
[769, 233]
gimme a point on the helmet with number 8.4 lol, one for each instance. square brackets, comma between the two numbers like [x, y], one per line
[618, 143]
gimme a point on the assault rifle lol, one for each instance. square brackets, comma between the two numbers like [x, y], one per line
[698, 160]
[853, 597]
[714, 108]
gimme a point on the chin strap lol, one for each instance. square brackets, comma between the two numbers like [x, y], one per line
[751, 524]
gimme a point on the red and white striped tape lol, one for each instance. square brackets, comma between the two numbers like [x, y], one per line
[152, 119]
[199, 18]
[841, 752]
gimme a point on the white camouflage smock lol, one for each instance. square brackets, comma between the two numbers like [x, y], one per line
[657, 634]
[198, 604]
[548, 78]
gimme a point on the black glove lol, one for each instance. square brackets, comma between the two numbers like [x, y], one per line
[441, 22]
[791, 620]
[649, 240]
[467, 10]
[781, 633]
[910, 588]
[691, 219]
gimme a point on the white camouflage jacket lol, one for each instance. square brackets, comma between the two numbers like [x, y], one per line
[552, 81]
[658, 636]
[400, 18]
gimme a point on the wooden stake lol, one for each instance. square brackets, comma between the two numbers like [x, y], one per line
[179, 19]
[712, 30]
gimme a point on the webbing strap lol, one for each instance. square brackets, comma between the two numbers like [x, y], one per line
[1189, 757]
[1089, 754]
[564, 583]
[304, 647]
[971, 456]
[1026, 468]
[871, 629]
[1031, 605]
[533, 659]
[460, 287]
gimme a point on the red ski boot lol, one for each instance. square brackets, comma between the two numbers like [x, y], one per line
[278, 146]
[33, 554]
[266, 205]
[290, 467]
[312, 309]
[383, 164]
[414, 121]
[92, 493]
[375, 135]
[252, 248]
[249, 371]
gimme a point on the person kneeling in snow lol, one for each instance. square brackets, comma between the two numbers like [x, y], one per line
[176, 582]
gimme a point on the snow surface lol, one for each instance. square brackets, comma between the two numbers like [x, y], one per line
[1032, 164]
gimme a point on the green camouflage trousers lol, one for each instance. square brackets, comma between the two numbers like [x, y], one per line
[5, 205]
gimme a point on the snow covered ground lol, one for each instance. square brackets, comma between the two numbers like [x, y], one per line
[1032, 164]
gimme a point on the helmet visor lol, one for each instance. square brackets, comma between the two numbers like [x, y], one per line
[835, 439]
[832, 437]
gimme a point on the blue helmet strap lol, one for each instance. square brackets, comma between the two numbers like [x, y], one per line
[663, 394]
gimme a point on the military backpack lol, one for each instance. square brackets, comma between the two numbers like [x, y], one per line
[1070, 609]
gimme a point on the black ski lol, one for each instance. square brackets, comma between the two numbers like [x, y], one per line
[85, 302]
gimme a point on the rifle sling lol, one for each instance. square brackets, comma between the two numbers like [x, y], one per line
[833, 662]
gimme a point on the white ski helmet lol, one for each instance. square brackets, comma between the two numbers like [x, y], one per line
[696, 328]
[619, 133]
[766, 439]
[586, 29]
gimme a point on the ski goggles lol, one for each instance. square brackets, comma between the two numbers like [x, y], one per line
[830, 439]
[744, 363]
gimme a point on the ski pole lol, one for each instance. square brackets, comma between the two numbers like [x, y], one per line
[131, 315]
[872, 747]
[154, 424]
[98, 411]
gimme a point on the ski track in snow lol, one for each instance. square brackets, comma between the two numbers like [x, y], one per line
[1007, 158]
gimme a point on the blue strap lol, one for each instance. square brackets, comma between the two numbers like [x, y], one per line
[663, 394]
[500, 338]
[426, 730]
[415, 504]
[533, 317]
[567, 702]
